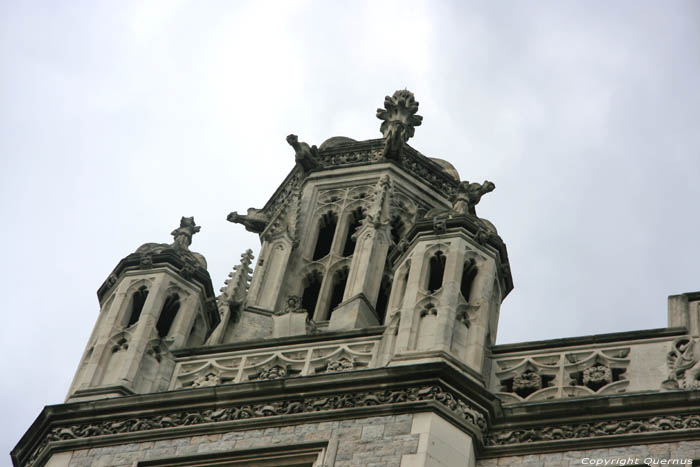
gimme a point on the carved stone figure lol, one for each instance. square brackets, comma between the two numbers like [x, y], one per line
[305, 155]
[683, 362]
[183, 234]
[468, 196]
[255, 221]
[399, 121]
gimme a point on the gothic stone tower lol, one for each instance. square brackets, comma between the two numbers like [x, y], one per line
[363, 335]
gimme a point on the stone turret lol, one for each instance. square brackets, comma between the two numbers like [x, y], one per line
[450, 283]
[156, 300]
[369, 233]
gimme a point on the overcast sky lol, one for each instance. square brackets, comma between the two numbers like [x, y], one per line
[118, 118]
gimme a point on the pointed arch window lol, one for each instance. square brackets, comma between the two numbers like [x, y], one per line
[398, 229]
[167, 315]
[354, 222]
[436, 271]
[138, 299]
[383, 298]
[468, 274]
[312, 288]
[340, 279]
[326, 232]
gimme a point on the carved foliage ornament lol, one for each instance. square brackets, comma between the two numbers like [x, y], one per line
[593, 429]
[399, 121]
[435, 392]
[683, 363]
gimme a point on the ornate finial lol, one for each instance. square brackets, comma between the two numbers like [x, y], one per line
[399, 123]
[255, 221]
[305, 155]
[183, 234]
[468, 196]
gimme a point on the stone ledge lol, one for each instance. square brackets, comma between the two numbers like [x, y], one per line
[437, 387]
[586, 340]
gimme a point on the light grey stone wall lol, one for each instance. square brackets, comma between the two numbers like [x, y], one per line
[250, 326]
[678, 453]
[365, 442]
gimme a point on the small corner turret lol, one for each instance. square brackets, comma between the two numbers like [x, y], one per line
[157, 300]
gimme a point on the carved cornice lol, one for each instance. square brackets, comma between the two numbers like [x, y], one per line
[367, 152]
[612, 431]
[445, 397]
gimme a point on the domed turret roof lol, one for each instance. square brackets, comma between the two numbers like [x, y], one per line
[448, 168]
[335, 141]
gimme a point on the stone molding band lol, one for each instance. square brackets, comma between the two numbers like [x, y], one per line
[437, 393]
[492, 442]
[587, 430]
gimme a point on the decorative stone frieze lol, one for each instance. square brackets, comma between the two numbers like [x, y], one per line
[587, 430]
[238, 367]
[443, 396]
[563, 374]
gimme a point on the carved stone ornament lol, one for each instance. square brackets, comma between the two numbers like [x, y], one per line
[294, 305]
[528, 381]
[342, 364]
[683, 363]
[187, 271]
[206, 380]
[468, 196]
[180, 246]
[271, 372]
[586, 430]
[597, 376]
[304, 155]
[297, 405]
[255, 221]
[399, 121]
[183, 234]
[146, 262]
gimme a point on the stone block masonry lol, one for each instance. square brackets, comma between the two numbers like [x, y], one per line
[363, 442]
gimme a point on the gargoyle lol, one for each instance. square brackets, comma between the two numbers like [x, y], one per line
[305, 155]
[468, 196]
[399, 121]
[255, 221]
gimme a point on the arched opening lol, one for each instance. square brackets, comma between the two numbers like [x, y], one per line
[340, 279]
[398, 229]
[312, 287]
[167, 314]
[197, 333]
[401, 285]
[468, 275]
[383, 298]
[138, 299]
[354, 222]
[326, 231]
[436, 271]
